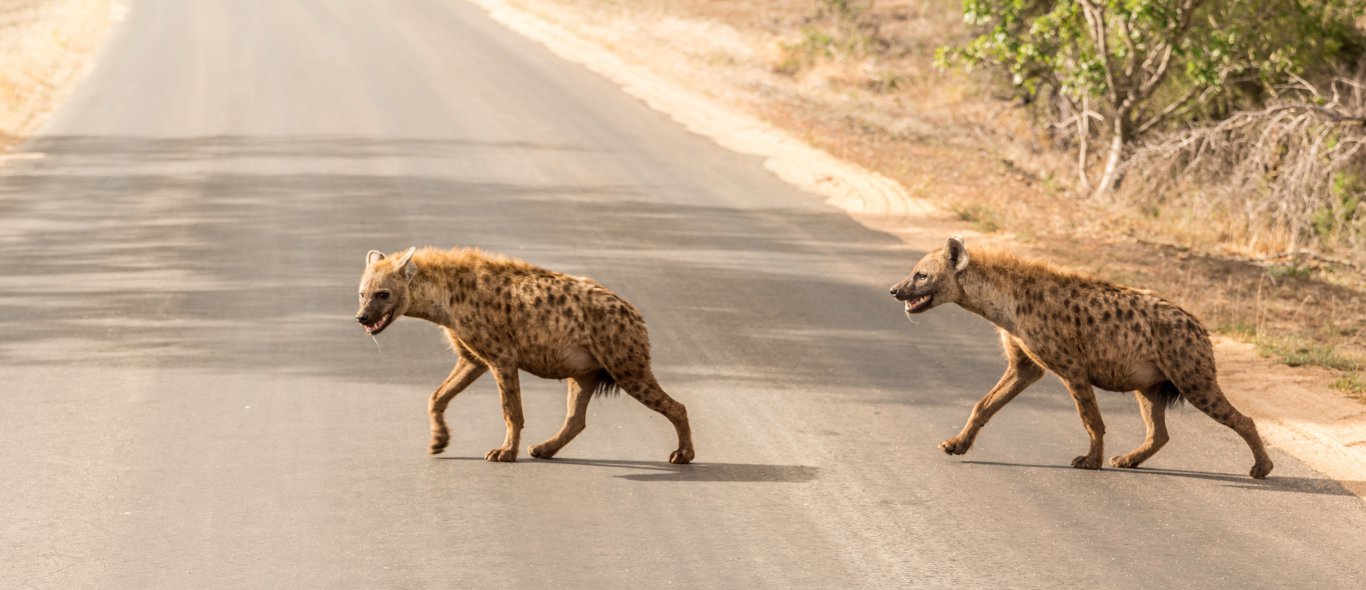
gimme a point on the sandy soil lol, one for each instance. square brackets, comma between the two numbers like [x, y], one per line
[45, 45]
[1295, 409]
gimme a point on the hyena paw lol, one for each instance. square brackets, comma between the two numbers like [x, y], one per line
[1087, 462]
[1124, 462]
[502, 455]
[1260, 470]
[681, 456]
[542, 451]
[438, 444]
[955, 446]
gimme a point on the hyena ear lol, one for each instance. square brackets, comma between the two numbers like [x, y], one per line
[405, 262]
[957, 253]
[373, 256]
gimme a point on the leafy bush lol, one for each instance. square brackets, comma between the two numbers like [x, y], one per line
[1124, 68]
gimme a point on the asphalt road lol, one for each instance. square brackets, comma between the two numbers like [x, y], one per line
[187, 402]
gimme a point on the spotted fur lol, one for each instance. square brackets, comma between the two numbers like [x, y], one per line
[503, 315]
[1089, 333]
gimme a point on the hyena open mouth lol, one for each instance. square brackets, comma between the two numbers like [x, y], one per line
[919, 304]
[379, 325]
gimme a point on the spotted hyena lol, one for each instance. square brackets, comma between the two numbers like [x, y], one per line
[503, 315]
[1089, 333]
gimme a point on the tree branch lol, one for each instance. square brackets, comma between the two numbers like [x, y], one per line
[1095, 17]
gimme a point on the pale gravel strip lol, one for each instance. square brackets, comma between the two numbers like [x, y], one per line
[1317, 426]
[46, 47]
[845, 185]
[1306, 420]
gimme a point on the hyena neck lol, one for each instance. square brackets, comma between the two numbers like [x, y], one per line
[430, 293]
[989, 292]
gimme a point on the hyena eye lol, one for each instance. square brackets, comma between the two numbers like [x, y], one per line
[382, 295]
[920, 276]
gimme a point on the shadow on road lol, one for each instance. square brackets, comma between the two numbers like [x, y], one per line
[133, 251]
[1303, 485]
[698, 472]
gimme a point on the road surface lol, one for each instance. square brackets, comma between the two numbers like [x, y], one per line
[188, 402]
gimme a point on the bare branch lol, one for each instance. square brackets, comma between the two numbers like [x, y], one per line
[1177, 107]
[1271, 175]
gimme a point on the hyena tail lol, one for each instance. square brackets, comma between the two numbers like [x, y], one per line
[1170, 395]
[606, 386]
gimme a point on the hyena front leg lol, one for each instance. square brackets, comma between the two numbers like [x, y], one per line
[1154, 409]
[466, 372]
[580, 391]
[1021, 372]
[1085, 398]
[510, 392]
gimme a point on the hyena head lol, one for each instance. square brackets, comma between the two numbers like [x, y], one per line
[934, 280]
[384, 294]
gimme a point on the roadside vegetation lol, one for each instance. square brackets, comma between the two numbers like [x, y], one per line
[1235, 111]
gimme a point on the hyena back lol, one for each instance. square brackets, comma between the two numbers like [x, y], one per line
[503, 315]
[1090, 334]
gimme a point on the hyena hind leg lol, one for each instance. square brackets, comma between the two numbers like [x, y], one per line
[647, 390]
[1153, 405]
[580, 391]
[1207, 397]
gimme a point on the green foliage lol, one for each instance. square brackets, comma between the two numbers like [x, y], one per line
[1352, 383]
[980, 215]
[1330, 221]
[1290, 271]
[884, 81]
[1212, 42]
[1298, 353]
[1239, 329]
[844, 10]
[801, 55]
[1140, 65]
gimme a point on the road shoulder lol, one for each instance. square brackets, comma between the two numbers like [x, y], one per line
[47, 47]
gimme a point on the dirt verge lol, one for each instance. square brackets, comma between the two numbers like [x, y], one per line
[45, 45]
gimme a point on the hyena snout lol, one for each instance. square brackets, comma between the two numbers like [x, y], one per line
[905, 291]
[375, 318]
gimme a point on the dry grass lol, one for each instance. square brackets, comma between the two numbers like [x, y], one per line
[1353, 384]
[1284, 179]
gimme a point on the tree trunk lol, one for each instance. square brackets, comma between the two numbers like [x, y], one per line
[1120, 138]
[1084, 144]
